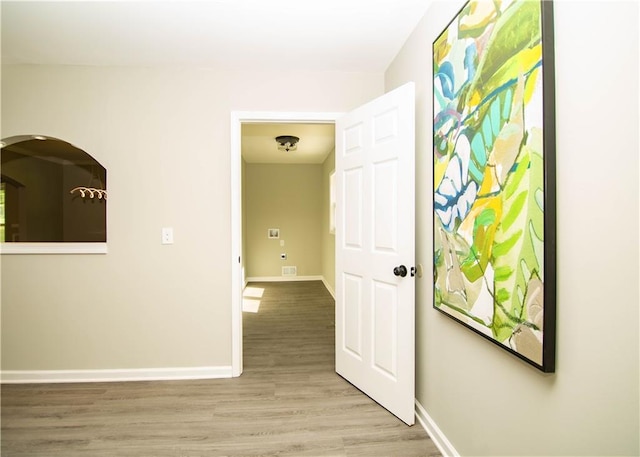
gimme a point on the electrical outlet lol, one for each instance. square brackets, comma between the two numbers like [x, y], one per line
[167, 235]
[283, 256]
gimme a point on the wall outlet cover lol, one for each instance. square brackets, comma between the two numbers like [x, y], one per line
[167, 235]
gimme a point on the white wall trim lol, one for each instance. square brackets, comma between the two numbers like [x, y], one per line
[136, 374]
[237, 118]
[440, 440]
[283, 278]
[329, 288]
[53, 248]
[237, 260]
[291, 278]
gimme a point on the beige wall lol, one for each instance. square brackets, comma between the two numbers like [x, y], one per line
[289, 198]
[296, 200]
[486, 401]
[328, 239]
[164, 137]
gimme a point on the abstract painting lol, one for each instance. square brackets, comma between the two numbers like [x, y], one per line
[494, 175]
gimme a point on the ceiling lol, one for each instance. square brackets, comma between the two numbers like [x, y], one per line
[322, 35]
[254, 35]
[259, 144]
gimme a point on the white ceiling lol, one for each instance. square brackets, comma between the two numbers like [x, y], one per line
[326, 35]
[267, 35]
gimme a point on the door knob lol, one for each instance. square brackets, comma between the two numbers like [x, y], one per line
[400, 271]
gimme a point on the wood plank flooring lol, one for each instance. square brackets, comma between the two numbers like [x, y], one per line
[288, 401]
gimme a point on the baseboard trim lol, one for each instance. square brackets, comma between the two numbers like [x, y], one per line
[283, 278]
[328, 287]
[291, 278]
[440, 440]
[138, 374]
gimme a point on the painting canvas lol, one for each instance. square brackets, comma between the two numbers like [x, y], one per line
[494, 175]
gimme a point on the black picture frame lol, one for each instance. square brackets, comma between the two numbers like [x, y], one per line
[494, 177]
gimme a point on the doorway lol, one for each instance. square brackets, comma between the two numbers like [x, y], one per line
[238, 276]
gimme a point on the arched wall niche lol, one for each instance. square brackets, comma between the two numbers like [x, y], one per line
[53, 197]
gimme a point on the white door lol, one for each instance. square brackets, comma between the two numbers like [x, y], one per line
[375, 152]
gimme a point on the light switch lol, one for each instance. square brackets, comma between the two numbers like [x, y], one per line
[281, 242]
[167, 235]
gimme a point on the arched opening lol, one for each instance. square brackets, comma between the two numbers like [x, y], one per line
[51, 192]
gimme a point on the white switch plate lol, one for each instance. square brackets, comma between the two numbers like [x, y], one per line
[281, 242]
[167, 235]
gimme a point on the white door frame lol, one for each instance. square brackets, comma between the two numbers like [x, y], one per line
[237, 119]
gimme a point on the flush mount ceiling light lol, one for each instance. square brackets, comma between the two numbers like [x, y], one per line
[287, 142]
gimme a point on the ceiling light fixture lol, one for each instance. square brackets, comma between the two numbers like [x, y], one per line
[287, 142]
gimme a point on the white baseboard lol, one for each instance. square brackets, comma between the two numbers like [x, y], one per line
[442, 443]
[329, 288]
[137, 374]
[283, 278]
[291, 278]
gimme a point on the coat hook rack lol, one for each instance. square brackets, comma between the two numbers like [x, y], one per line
[91, 191]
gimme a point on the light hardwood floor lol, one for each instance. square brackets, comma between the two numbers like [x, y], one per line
[288, 401]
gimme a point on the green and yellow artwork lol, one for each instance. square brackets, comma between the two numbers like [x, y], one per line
[493, 154]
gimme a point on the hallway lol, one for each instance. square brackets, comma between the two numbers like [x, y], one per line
[289, 344]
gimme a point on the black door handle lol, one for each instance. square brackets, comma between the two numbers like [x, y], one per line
[400, 271]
